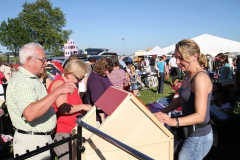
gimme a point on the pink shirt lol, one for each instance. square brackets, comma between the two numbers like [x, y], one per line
[1, 77]
[118, 78]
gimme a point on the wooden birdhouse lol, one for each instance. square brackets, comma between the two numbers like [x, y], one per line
[130, 122]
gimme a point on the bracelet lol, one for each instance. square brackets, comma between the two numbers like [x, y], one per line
[177, 122]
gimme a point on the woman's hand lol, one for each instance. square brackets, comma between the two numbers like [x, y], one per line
[164, 118]
[125, 84]
[86, 107]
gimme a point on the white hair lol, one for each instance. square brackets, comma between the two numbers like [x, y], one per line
[28, 50]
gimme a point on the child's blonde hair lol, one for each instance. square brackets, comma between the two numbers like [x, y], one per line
[132, 69]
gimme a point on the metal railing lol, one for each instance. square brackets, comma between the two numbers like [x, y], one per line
[113, 141]
[68, 140]
[81, 140]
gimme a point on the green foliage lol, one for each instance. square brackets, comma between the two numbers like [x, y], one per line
[13, 34]
[45, 23]
[38, 22]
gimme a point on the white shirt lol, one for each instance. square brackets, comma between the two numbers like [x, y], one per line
[6, 71]
[147, 62]
[128, 70]
[82, 85]
[173, 62]
[230, 61]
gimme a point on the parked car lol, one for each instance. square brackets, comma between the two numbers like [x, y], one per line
[90, 53]
[60, 59]
[95, 51]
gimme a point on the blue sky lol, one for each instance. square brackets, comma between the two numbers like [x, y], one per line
[143, 23]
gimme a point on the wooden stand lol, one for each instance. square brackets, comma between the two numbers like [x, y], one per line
[130, 122]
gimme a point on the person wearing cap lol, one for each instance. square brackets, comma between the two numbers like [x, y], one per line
[29, 105]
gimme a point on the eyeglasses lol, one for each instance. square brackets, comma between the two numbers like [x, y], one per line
[78, 79]
[41, 59]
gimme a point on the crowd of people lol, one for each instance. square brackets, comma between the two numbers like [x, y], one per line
[40, 107]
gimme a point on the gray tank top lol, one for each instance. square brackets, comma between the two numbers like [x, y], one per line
[187, 104]
[133, 78]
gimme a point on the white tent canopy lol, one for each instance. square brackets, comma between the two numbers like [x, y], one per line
[212, 45]
[156, 51]
[139, 53]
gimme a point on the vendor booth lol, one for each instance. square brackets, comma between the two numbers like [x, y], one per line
[212, 45]
[156, 51]
[139, 55]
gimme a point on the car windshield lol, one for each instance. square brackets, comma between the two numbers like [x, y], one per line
[94, 51]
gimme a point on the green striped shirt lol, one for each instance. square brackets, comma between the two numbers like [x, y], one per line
[23, 89]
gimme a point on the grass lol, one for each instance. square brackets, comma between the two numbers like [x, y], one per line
[15, 59]
[228, 146]
[150, 95]
[11, 59]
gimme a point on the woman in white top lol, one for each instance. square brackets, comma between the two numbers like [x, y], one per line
[82, 85]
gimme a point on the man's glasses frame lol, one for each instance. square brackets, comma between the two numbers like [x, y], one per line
[41, 59]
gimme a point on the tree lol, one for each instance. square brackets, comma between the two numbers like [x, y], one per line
[44, 24]
[13, 35]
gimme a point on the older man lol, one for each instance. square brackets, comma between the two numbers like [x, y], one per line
[29, 106]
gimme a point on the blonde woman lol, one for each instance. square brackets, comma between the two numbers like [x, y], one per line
[68, 106]
[194, 98]
[132, 80]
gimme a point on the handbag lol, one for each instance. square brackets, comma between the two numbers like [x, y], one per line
[167, 77]
[183, 132]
